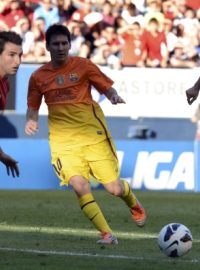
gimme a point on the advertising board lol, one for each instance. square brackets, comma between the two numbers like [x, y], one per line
[146, 165]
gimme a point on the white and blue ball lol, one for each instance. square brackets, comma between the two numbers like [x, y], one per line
[175, 240]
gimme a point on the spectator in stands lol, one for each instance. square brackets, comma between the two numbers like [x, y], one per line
[108, 19]
[37, 54]
[104, 56]
[107, 48]
[171, 38]
[131, 14]
[180, 58]
[188, 40]
[22, 27]
[77, 37]
[169, 9]
[93, 19]
[181, 7]
[119, 22]
[131, 45]
[38, 29]
[153, 10]
[65, 9]
[12, 12]
[109, 44]
[189, 21]
[178, 21]
[85, 50]
[48, 11]
[155, 52]
[82, 11]
[140, 5]
[29, 6]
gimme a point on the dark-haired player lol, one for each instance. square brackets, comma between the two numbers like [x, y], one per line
[10, 59]
[79, 139]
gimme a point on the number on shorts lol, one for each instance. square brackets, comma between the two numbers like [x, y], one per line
[58, 166]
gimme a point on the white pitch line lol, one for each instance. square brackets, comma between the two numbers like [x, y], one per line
[67, 253]
[97, 255]
[76, 231]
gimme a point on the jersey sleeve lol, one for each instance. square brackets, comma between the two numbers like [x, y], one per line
[34, 97]
[4, 89]
[98, 79]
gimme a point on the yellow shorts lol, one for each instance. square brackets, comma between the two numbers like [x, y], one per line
[99, 160]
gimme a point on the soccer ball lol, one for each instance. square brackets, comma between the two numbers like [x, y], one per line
[175, 240]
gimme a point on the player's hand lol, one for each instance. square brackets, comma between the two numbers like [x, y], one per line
[191, 95]
[10, 163]
[115, 99]
[31, 127]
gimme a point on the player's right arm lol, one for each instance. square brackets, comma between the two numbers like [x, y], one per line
[31, 126]
[34, 99]
[193, 92]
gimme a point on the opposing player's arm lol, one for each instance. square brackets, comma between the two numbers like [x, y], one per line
[10, 163]
[193, 92]
[31, 126]
[113, 96]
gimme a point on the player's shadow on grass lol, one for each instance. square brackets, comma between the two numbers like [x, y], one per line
[7, 129]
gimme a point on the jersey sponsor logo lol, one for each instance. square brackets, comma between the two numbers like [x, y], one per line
[59, 95]
[73, 77]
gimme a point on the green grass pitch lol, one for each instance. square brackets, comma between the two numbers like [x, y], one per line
[47, 230]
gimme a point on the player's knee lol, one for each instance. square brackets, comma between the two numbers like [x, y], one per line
[80, 185]
[115, 190]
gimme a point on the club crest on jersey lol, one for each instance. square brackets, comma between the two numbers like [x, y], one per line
[73, 77]
[60, 80]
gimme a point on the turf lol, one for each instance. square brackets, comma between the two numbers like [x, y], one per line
[47, 230]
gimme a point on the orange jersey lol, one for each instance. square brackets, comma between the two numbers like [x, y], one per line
[70, 83]
[74, 119]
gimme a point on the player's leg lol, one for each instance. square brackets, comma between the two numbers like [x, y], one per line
[122, 189]
[69, 169]
[91, 209]
[106, 169]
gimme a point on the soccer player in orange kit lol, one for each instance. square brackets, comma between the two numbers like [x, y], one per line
[10, 59]
[79, 139]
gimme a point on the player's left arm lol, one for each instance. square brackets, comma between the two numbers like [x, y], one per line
[102, 83]
[113, 96]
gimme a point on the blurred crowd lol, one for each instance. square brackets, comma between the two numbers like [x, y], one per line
[117, 33]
